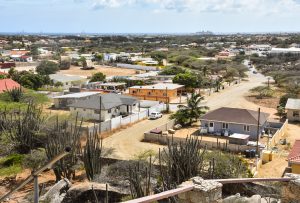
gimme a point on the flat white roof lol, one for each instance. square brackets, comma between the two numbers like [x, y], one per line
[76, 95]
[292, 104]
[239, 136]
[160, 86]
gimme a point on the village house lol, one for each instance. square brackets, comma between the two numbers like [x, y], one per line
[20, 55]
[110, 87]
[64, 100]
[110, 105]
[163, 92]
[294, 158]
[227, 121]
[8, 84]
[292, 108]
[67, 80]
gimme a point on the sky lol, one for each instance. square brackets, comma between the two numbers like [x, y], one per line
[149, 16]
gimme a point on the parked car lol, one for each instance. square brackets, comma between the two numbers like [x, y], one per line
[155, 115]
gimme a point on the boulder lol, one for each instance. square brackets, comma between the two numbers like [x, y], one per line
[57, 193]
[238, 199]
[90, 191]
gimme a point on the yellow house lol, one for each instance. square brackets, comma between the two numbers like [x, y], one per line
[163, 92]
[294, 158]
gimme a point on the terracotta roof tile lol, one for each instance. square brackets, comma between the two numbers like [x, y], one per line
[294, 155]
[8, 84]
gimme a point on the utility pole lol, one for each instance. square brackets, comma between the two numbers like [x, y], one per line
[268, 82]
[100, 114]
[257, 135]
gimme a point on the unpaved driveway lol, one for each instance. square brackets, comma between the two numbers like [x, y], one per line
[127, 143]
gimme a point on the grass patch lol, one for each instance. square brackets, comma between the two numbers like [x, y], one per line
[11, 165]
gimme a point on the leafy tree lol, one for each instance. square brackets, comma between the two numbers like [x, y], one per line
[32, 81]
[192, 111]
[187, 79]
[64, 64]
[97, 77]
[98, 57]
[15, 94]
[158, 56]
[47, 67]
[218, 83]
[172, 70]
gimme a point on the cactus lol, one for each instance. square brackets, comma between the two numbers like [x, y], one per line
[15, 94]
[91, 155]
[60, 136]
[23, 127]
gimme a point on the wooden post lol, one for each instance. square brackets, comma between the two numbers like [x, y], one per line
[257, 135]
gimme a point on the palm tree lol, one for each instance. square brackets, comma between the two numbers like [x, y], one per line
[218, 83]
[187, 114]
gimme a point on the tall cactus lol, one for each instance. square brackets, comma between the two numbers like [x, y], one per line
[60, 136]
[91, 155]
[23, 126]
[15, 94]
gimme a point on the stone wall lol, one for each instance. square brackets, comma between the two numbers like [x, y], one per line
[205, 191]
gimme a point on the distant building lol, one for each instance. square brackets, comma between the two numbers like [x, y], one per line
[20, 55]
[8, 84]
[278, 51]
[67, 80]
[163, 92]
[294, 158]
[292, 108]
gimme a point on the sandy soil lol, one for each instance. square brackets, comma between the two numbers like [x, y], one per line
[265, 102]
[276, 167]
[106, 70]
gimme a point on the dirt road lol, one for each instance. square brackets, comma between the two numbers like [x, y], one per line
[234, 96]
[127, 143]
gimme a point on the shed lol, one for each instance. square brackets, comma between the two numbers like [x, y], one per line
[240, 139]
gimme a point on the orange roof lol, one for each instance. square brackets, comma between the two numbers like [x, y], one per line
[294, 155]
[18, 52]
[8, 84]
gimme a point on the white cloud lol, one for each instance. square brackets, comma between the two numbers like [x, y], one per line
[256, 6]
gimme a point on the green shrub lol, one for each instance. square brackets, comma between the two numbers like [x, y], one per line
[13, 159]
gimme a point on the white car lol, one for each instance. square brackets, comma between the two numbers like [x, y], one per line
[155, 115]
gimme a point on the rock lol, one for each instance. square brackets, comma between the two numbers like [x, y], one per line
[88, 191]
[57, 192]
[177, 127]
[238, 199]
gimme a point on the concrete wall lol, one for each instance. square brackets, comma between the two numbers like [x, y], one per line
[279, 134]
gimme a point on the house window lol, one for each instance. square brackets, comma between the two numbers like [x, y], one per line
[211, 125]
[247, 128]
[295, 113]
[97, 111]
[83, 109]
[109, 111]
[225, 125]
[74, 109]
[149, 93]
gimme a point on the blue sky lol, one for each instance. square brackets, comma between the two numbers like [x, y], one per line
[149, 16]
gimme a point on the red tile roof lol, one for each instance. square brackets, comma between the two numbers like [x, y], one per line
[294, 155]
[8, 84]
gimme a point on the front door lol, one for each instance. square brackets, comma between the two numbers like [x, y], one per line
[211, 127]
